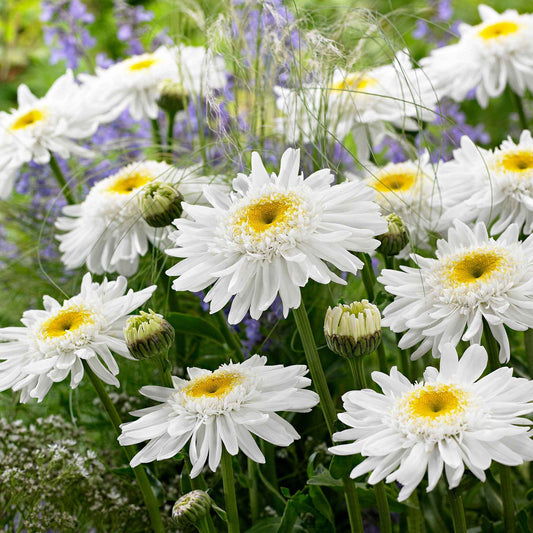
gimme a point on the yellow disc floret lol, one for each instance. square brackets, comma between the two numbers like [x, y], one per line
[517, 161]
[129, 182]
[141, 64]
[475, 266]
[354, 82]
[394, 181]
[434, 401]
[28, 119]
[66, 320]
[498, 29]
[215, 385]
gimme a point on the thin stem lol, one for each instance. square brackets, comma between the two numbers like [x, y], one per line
[517, 101]
[382, 358]
[506, 491]
[229, 492]
[383, 508]
[415, 518]
[165, 371]
[171, 117]
[65, 189]
[528, 345]
[229, 335]
[458, 512]
[156, 132]
[358, 372]
[404, 359]
[369, 278]
[327, 406]
[203, 525]
[140, 474]
[254, 493]
[492, 347]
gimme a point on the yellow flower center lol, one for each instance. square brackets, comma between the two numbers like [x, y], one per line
[498, 29]
[475, 266]
[142, 64]
[130, 182]
[215, 385]
[268, 213]
[519, 161]
[434, 401]
[355, 82]
[394, 181]
[28, 119]
[66, 320]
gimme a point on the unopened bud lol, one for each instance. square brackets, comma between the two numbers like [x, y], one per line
[172, 96]
[190, 508]
[353, 330]
[396, 237]
[160, 204]
[148, 335]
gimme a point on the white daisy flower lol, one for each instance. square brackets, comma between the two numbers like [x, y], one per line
[449, 421]
[52, 343]
[474, 277]
[41, 126]
[361, 103]
[107, 231]
[271, 235]
[135, 82]
[493, 186]
[220, 408]
[409, 190]
[488, 56]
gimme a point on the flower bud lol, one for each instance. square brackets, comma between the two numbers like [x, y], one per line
[191, 507]
[353, 330]
[396, 237]
[160, 203]
[148, 335]
[171, 96]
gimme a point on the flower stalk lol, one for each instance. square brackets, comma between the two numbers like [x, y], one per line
[229, 492]
[63, 185]
[458, 512]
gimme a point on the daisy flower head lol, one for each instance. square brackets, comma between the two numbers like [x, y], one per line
[493, 186]
[107, 231]
[52, 343]
[450, 420]
[487, 57]
[473, 278]
[41, 126]
[361, 103]
[271, 235]
[220, 408]
[409, 190]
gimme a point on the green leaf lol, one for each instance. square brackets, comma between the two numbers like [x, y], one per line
[267, 525]
[194, 325]
[342, 465]
[321, 504]
[323, 478]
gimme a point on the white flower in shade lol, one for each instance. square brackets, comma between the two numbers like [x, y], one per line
[474, 277]
[219, 409]
[493, 186]
[449, 421]
[272, 235]
[361, 103]
[41, 126]
[135, 82]
[53, 343]
[107, 230]
[409, 190]
[488, 56]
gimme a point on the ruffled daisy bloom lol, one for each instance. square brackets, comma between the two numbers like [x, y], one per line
[135, 82]
[41, 126]
[409, 190]
[220, 408]
[474, 277]
[361, 103]
[493, 186]
[53, 343]
[449, 421]
[488, 56]
[271, 235]
[107, 231]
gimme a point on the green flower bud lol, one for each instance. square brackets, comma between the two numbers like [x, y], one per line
[160, 203]
[148, 335]
[353, 330]
[172, 96]
[190, 508]
[396, 237]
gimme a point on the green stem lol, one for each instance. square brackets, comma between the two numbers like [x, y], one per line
[327, 406]
[358, 372]
[171, 117]
[140, 474]
[204, 526]
[458, 512]
[528, 345]
[254, 493]
[517, 101]
[369, 278]
[492, 347]
[229, 492]
[156, 132]
[65, 189]
[165, 371]
[382, 358]
[385, 523]
[229, 335]
[506, 490]
[415, 518]
[404, 359]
